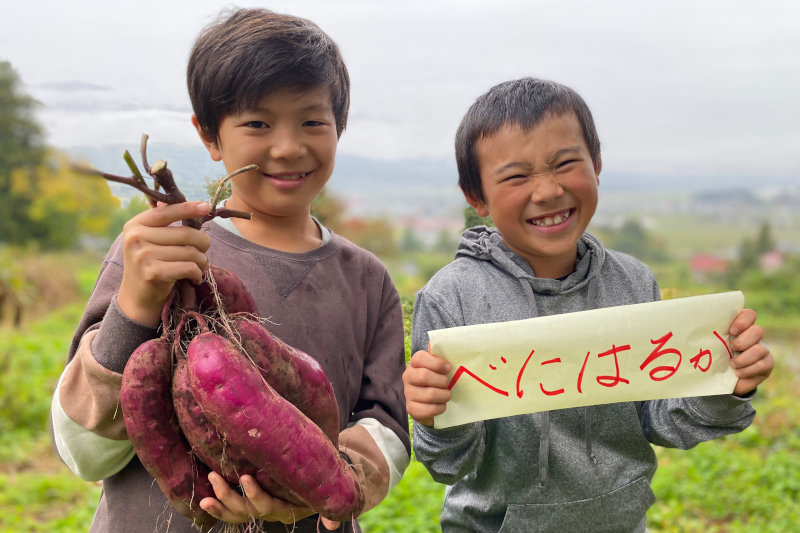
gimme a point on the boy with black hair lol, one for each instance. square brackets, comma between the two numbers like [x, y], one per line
[528, 155]
[273, 90]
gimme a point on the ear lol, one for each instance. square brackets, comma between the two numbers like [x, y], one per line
[597, 168]
[478, 205]
[210, 143]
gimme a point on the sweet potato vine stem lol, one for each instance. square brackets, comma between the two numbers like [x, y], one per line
[164, 188]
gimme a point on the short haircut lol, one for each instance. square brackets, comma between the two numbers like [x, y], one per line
[525, 103]
[249, 53]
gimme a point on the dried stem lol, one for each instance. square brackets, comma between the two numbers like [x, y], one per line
[163, 179]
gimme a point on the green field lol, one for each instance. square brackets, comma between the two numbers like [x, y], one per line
[742, 483]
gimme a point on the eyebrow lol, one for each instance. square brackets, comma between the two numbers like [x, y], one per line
[550, 160]
[317, 107]
[568, 150]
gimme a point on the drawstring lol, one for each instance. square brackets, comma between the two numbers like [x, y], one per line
[544, 448]
[591, 303]
[587, 433]
[544, 435]
[528, 290]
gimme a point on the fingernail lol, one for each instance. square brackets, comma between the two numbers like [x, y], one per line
[204, 207]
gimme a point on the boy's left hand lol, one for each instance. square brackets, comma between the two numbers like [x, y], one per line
[754, 363]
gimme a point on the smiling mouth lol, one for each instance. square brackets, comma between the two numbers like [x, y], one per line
[551, 220]
[289, 177]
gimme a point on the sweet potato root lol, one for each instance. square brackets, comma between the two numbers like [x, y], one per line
[153, 429]
[232, 292]
[270, 432]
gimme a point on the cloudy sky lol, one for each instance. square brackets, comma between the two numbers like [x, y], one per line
[690, 86]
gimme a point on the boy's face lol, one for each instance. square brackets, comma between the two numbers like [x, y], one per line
[291, 136]
[541, 191]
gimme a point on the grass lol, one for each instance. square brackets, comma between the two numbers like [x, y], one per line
[37, 492]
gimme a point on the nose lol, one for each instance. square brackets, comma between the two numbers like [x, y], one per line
[286, 144]
[546, 187]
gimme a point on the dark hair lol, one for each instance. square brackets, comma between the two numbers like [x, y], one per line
[251, 52]
[525, 103]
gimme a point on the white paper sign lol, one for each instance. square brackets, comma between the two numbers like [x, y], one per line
[667, 349]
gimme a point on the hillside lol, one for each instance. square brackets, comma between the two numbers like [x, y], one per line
[424, 195]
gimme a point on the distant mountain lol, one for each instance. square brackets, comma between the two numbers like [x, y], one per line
[417, 189]
[370, 187]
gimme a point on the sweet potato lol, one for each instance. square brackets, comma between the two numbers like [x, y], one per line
[270, 432]
[153, 429]
[293, 374]
[232, 292]
[210, 447]
[200, 433]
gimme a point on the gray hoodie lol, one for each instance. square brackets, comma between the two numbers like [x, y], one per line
[582, 469]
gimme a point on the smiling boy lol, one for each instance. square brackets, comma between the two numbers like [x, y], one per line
[271, 90]
[528, 155]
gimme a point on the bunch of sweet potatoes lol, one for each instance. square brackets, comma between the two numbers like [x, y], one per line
[217, 391]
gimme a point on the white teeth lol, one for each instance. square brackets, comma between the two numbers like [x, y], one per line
[293, 177]
[552, 220]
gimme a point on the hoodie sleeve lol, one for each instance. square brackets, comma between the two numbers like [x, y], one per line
[451, 453]
[686, 422]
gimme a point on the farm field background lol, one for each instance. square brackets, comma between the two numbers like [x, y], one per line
[745, 482]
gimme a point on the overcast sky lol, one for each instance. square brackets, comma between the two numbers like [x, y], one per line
[690, 86]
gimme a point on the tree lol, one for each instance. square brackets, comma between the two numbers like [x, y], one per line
[471, 219]
[22, 148]
[764, 242]
[329, 209]
[633, 239]
[61, 204]
[376, 235]
[409, 242]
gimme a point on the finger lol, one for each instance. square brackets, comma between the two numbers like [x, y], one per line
[266, 507]
[745, 319]
[330, 525]
[423, 359]
[428, 394]
[426, 410]
[166, 214]
[747, 385]
[140, 235]
[747, 338]
[218, 510]
[190, 270]
[230, 506]
[424, 378]
[760, 365]
[750, 356]
[424, 413]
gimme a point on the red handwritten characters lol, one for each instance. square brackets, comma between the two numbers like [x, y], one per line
[702, 354]
[464, 370]
[701, 361]
[660, 373]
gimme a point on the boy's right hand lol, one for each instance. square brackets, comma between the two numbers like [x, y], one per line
[425, 385]
[156, 255]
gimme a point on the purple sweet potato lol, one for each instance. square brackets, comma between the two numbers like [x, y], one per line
[293, 374]
[200, 433]
[210, 447]
[271, 432]
[153, 429]
[232, 292]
